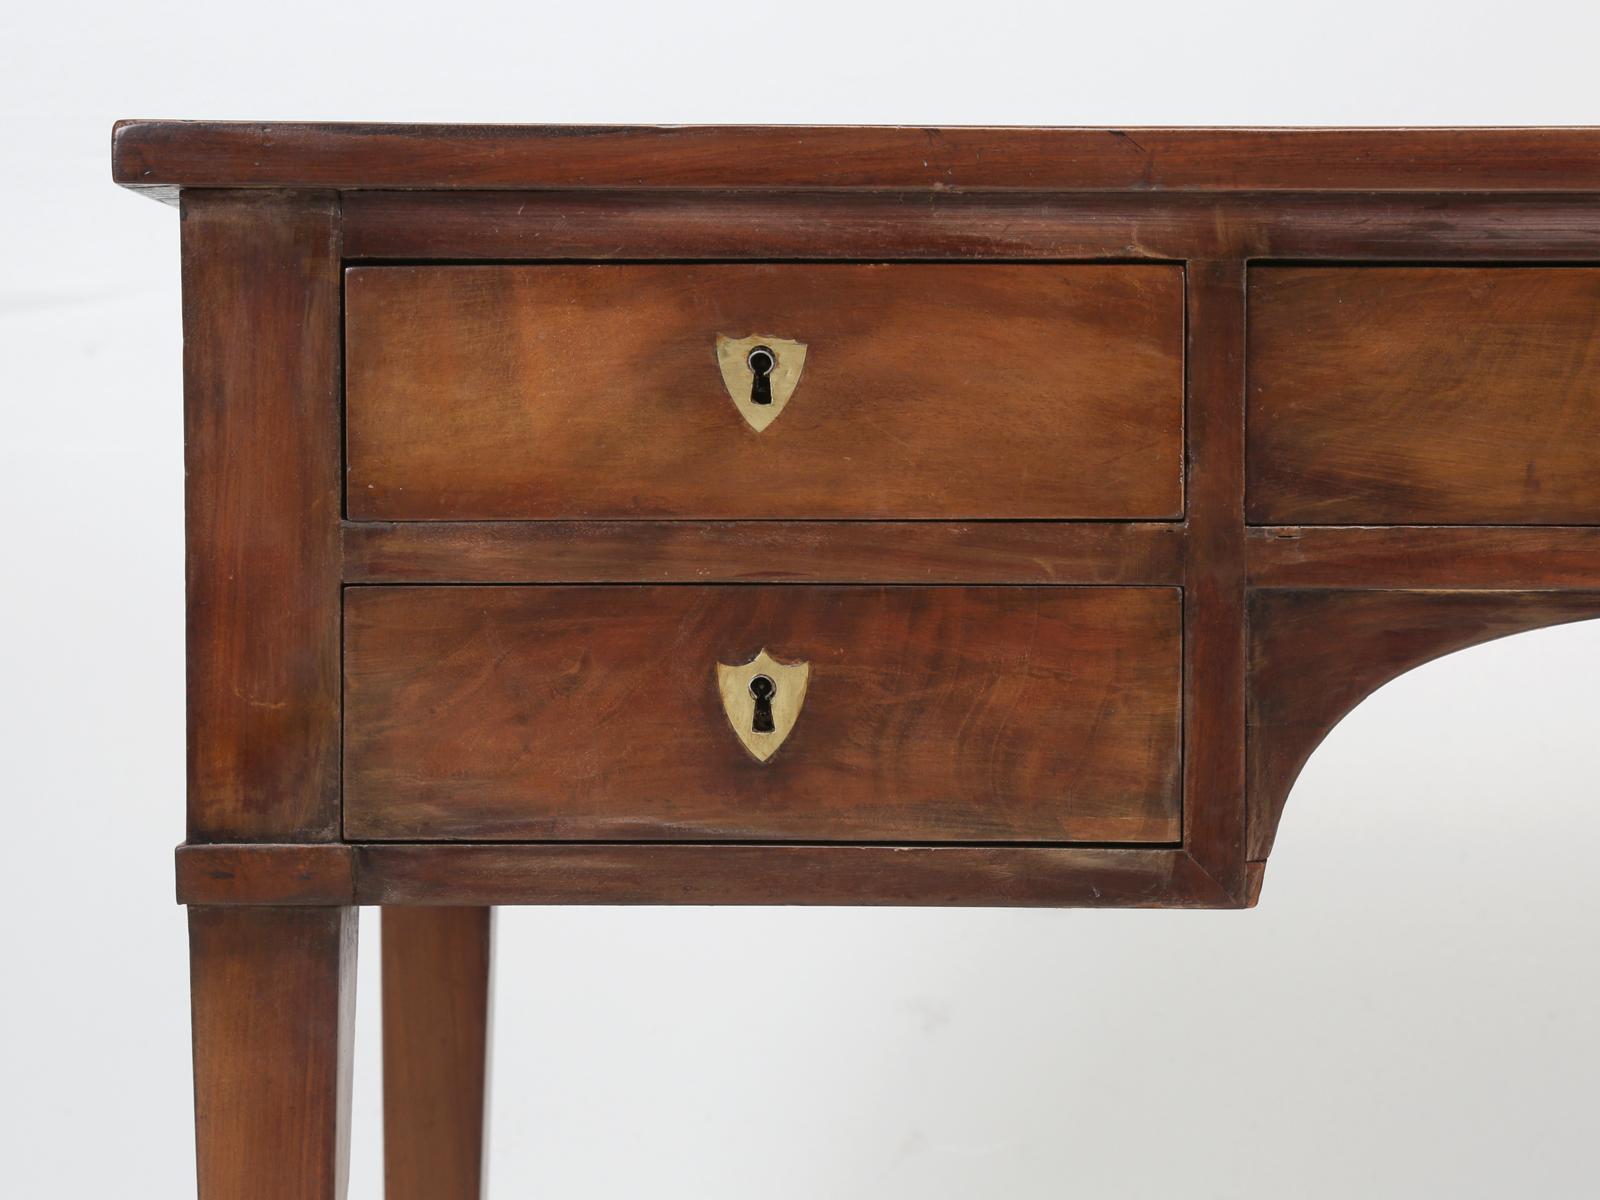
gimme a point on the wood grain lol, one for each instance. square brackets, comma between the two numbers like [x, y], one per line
[454, 873]
[989, 877]
[273, 993]
[932, 714]
[930, 391]
[237, 873]
[876, 226]
[437, 993]
[1315, 655]
[163, 155]
[1542, 558]
[762, 552]
[1424, 395]
[1214, 579]
[262, 457]
[1427, 431]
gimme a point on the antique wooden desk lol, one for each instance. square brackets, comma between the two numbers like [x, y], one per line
[845, 516]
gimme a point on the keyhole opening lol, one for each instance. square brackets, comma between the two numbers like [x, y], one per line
[762, 689]
[761, 360]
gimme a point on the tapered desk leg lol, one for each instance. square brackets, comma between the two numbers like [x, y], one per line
[436, 1010]
[273, 994]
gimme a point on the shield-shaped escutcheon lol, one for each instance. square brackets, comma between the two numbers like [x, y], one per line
[762, 700]
[760, 374]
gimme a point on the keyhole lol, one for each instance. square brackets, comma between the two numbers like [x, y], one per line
[761, 361]
[763, 690]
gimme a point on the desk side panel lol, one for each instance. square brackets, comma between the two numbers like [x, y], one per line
[262, 457]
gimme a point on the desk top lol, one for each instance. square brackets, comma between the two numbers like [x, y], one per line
[163, 156]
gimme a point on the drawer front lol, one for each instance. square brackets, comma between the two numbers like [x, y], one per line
[906, 714]
[924, 391]
[1439, 395]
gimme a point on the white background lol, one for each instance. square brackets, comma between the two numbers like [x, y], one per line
[1411, 1011]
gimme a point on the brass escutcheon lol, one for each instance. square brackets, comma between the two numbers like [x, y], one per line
[762, 699]
[788, 359]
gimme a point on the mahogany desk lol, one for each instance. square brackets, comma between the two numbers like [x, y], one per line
[845, 516]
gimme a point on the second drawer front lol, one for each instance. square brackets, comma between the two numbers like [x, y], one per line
[912, 714]
[1424, 395]
[925, 391]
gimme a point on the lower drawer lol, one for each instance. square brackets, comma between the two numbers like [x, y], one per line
[905, 714]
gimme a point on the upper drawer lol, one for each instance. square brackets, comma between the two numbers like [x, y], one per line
[1424, 395]
[924, 391]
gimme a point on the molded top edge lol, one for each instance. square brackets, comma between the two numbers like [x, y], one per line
[166, 155]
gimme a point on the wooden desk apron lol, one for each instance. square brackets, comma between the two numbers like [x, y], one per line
[846, 515]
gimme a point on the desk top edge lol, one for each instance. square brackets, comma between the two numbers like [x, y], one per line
[162, 156]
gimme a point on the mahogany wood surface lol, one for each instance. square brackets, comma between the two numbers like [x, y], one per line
[762, 552]
[931, 714]
[295, 873]
[273, 992]
[1546, 558]
[261, 455]
[1424, 395]
[1163, 226]
[1123, 464]
[1214, 596]
[928, 391]
[1314, 655]
[430, 874]
[969, 876]
[163, 155]
[436, 1018]
[1488, 493]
